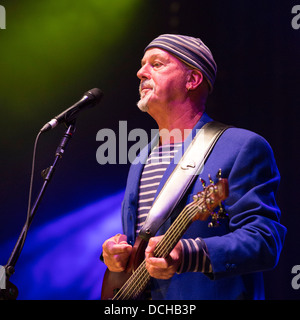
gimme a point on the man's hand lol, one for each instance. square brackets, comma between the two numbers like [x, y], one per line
[116, 252]
[162, 268]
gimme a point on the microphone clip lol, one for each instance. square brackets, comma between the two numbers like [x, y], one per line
[66, 138]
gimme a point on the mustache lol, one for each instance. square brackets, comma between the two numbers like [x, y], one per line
[149, 83]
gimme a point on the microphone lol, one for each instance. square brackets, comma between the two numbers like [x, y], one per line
[90, 99]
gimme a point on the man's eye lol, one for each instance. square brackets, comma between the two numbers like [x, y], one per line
[157, 64]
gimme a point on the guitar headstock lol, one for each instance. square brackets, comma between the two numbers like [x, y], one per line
[210, 198]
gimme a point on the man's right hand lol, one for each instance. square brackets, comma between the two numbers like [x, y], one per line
[116, 252]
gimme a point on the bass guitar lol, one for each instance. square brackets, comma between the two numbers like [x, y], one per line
[131, 283]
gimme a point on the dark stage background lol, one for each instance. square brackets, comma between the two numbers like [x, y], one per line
[51, 52]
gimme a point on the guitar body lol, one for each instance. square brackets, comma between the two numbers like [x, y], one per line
[113, 281]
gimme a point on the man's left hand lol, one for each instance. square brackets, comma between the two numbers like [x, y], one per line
[162, 268]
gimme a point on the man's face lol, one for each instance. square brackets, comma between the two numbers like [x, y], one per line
[163, 81]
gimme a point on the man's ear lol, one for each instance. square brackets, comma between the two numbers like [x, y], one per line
[195, 78]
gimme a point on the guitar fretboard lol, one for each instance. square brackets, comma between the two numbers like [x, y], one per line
[137, 283]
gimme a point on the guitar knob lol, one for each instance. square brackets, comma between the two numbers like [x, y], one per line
[213, 189]
[219, 174]
[203, 182]
[210, 201]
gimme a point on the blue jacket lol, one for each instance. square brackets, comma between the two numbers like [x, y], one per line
[246, 243]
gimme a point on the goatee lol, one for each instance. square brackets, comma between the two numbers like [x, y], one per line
[143, 103]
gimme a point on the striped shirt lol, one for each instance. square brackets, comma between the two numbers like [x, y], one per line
[155, 167]
[195, 257]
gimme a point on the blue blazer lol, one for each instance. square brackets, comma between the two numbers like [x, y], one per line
[248, 242]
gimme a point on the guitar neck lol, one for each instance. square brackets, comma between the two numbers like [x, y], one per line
[175, 232]
[140, 278]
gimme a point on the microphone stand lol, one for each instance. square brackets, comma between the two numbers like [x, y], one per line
[11, 291]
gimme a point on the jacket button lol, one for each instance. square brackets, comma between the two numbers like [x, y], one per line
[230, 266]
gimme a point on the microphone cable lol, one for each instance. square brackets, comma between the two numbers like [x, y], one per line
[15, 255]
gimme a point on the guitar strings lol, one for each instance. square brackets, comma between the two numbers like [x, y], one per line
[163, 247]
[133, 287]
[141, 275]
[182, 219]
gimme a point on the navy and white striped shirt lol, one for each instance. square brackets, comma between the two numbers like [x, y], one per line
[156, 165]
[195, 256]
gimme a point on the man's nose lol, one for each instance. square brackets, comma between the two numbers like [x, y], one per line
[144, 72]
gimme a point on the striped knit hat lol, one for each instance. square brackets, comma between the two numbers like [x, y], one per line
[192, 51]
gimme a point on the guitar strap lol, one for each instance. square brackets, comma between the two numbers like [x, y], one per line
[190, 166]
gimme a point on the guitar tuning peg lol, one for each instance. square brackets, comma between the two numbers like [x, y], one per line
[210, 179]
[219, 174]
[222, 214]
[203, 182]
[214, 221]
[213, 224]
[217, 216]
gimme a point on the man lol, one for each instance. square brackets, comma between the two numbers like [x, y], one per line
[177, 74]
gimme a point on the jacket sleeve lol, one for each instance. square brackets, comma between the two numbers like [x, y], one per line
[256, 236]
